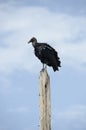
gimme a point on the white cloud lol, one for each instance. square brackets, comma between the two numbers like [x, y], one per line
[19, 24]
[19, 110]
[75, 112]
[73, 117]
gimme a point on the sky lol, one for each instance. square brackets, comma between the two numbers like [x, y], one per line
[62, 24]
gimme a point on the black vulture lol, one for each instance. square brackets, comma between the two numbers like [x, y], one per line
[46, 54]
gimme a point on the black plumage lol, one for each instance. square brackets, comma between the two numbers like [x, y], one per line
[46, 54]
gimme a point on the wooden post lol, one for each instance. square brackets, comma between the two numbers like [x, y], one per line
[44, 100]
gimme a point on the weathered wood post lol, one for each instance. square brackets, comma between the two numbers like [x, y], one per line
[44, 100]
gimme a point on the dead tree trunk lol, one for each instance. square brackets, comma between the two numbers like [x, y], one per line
[44, 101]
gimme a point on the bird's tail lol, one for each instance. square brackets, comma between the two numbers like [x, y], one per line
[56, 66]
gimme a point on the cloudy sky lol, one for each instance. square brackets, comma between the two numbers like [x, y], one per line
[62, 24]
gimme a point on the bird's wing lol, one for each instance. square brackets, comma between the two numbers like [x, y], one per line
[43, 47]
[45, 52]
[50, 55]
[50, 49]
[47, 55]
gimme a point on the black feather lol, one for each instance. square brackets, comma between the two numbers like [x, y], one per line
[47, 55]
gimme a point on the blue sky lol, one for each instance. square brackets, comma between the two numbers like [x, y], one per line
[62, 24]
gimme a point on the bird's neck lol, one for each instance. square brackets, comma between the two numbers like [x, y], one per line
[34, 43]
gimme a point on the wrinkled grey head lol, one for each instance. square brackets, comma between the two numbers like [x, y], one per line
[33, 40]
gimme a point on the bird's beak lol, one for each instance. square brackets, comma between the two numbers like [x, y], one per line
[29, 42]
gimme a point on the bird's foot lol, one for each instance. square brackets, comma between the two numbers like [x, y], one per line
[44, 67]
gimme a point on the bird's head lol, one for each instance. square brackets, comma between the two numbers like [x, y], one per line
[33, 40]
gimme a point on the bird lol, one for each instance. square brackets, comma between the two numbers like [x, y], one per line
[46, 54]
